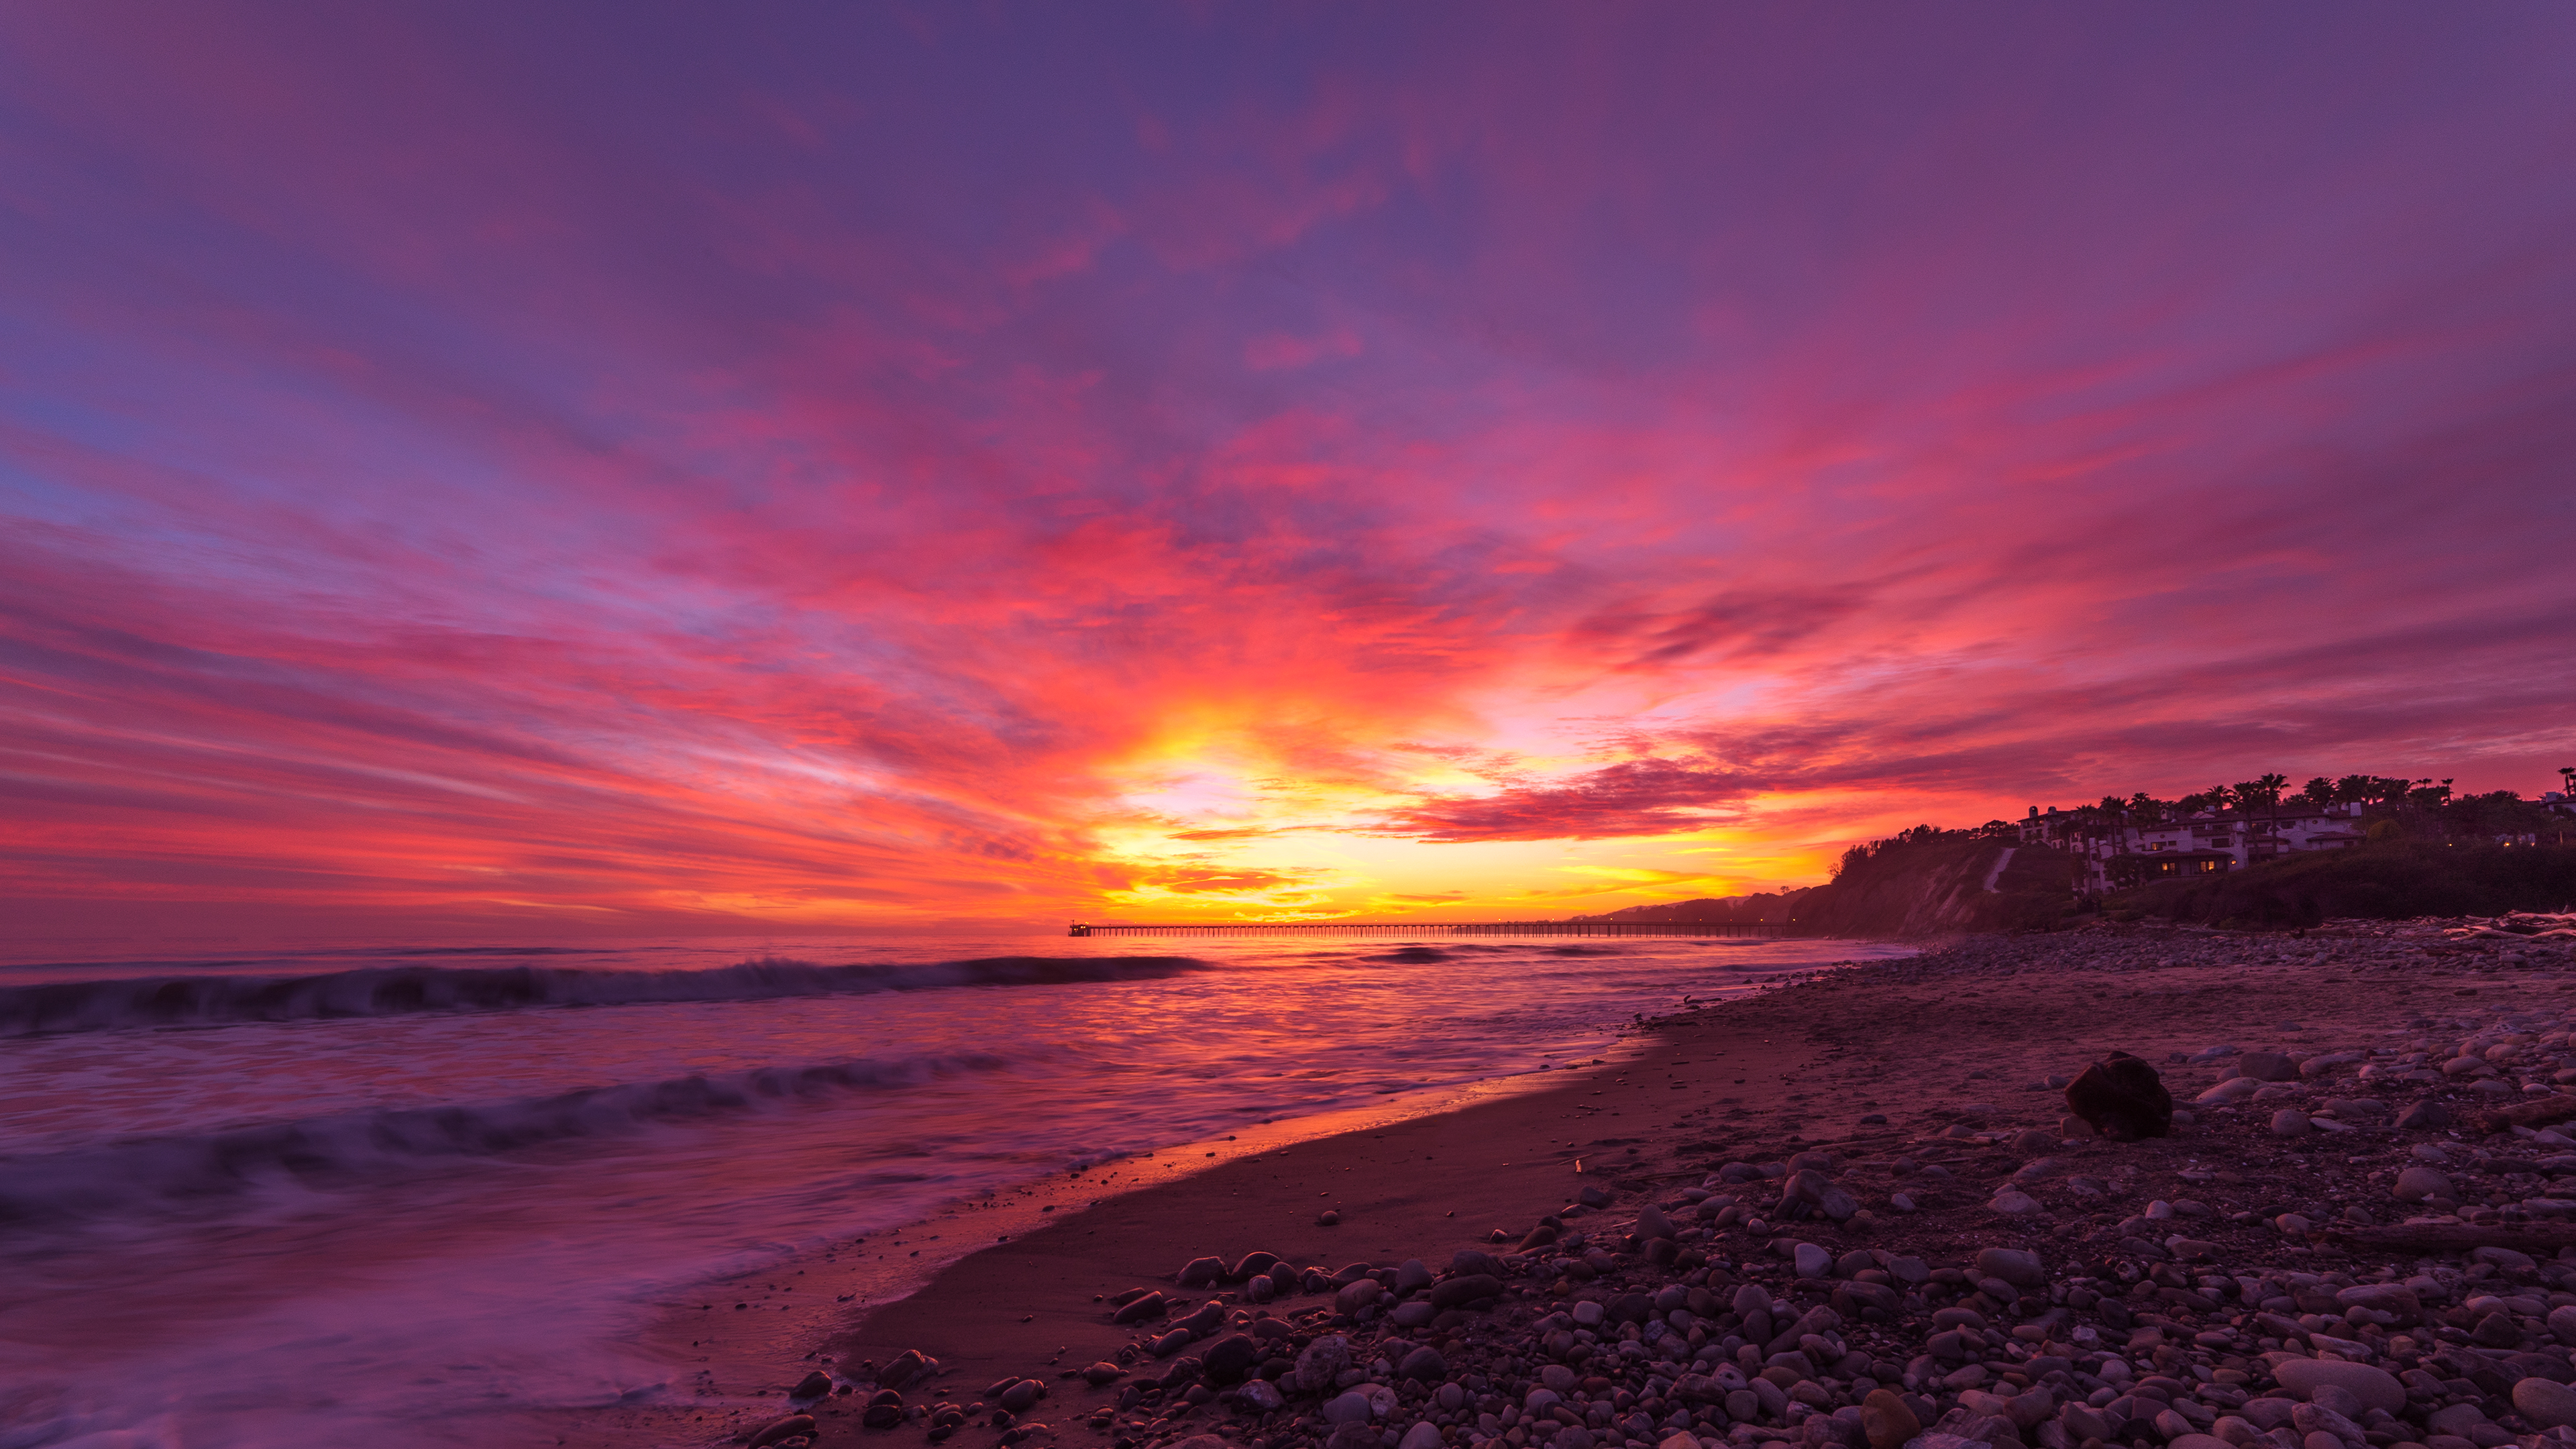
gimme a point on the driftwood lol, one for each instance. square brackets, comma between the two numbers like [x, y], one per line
[2541, 1238]
[2538, 1112]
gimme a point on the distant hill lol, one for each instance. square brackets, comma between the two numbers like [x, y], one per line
[1763, 907]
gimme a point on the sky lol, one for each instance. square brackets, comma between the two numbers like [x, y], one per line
[649, 467]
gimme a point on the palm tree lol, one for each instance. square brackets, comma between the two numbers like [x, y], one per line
[2270, 787]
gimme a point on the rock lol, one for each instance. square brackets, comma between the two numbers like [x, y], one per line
[2014, 1203]
[880, 1416]
[1252, 1266]
[1467, 1288]
[912, 1363]
[1651, 1222]
[2013, 1265]
[1331, 1219]
[1410, 1275]
[2391, 1298]
[1423, 1435]
[1886, 1420]
[1198, 1271]
[1416, 1314]
[1682, 1440]
[2456, 1419]
[1228, 1359]
[1322, 1364]
[1353, 1436]
[1103, 1372]
[2122, 1098]
[1020, 1397]
[1351, 1408]
[789, 1428]
[1812, 1261]
[1556, 1378]
[1593, 1195]
[1588, 1313]
[2416, 1184]
[2291, 1122]
[2376, 1388]
[2562, 1323]
[813, 1386]
[2075, 1127]
[2196, 1440]
[2267, 1067]
[1152, 1305]
[2034, 1139]
[2234, 1089]
[2502, 1258]
[1258, 1396]
[2427, 1115]
[1357, 1294]
[1423, 1365]
[2546, 1404]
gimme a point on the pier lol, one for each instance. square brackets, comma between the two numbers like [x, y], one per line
[1703, 929]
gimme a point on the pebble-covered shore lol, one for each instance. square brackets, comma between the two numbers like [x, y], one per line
[2350, 1238]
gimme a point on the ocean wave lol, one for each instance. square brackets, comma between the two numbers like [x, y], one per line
[118, 1177]
[200, 1000]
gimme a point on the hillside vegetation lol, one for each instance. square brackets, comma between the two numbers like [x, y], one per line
[2384, 880]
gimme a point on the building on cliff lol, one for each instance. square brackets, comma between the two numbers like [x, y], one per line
[2118, 853]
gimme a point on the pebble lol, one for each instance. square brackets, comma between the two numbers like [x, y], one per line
[2376, 1388]
[1812, 1261]
[779, 1429]
[2014, 1203]
[2291, 1122]
[2545, 1403]
[1886, 1420]
[2416, 1184]
[2267, 1067]
[2016, 1266]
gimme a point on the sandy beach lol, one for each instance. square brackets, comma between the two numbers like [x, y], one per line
[1930, 1087]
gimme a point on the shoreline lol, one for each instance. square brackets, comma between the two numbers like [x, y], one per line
[813, 1308]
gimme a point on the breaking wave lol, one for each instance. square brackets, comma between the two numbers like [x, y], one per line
[71, 1006]
[113, 1178]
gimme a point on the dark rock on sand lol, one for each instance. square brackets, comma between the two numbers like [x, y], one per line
[2428, 1115]
[1137, 1310]
[1467, 1288]
[789, 1427]
[1200, 1271]
[1229, 1358]
[2122, 1098]
[911, 1364]
[1252, 1266]
[813, 1386]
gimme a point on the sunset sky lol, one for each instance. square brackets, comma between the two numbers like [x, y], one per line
[654, 467]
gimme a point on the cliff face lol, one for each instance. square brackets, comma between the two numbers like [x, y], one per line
[1942, 886]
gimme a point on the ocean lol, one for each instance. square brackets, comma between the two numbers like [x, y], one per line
[395, 1195]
